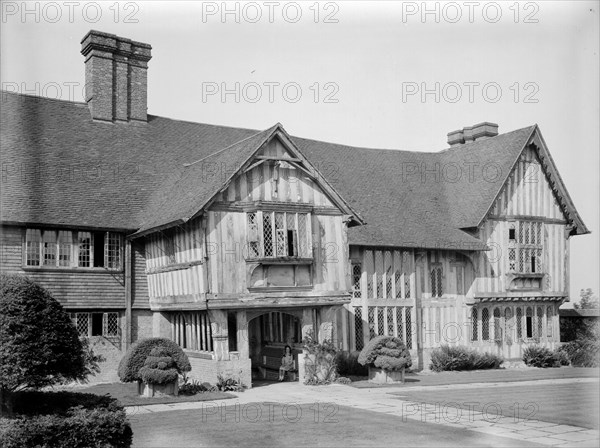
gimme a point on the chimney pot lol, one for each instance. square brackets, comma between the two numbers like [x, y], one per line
[455, 138]
[472, 133]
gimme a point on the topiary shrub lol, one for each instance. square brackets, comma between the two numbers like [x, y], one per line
[537, 356]
[135, 359]
[446, 358]
[387, 353]
[158, 368]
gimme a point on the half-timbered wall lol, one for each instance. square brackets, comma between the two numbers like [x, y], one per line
[527, 201]
[227, 249]
[175, 264]
[277, 181]
[383, 298]
[174, 261]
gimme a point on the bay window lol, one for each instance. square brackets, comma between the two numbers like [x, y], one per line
[525, 247]
[278, 234]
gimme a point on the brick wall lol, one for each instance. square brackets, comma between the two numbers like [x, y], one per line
[141, 325]
[206, 370]
[112, 355]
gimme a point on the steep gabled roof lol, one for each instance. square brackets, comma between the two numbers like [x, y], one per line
[62, 168]
[187, 192]
[486, 165]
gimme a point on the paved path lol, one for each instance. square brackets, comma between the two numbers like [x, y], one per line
[385, 400]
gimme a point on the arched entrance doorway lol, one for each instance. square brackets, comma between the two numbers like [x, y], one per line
[268, 334]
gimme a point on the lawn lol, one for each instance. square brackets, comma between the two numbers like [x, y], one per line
[127, 394]
[309, 425]
[482, 376]
[567, 404]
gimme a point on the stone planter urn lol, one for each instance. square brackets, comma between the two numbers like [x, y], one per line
[158, 390]
[380, 376]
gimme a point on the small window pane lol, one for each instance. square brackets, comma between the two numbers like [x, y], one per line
[49, 247]
[85, 243]
[33, 238]
[64, 248]
[113, 250]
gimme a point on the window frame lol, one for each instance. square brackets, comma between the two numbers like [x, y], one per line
[87, 321]
[268, 233]
[436, 279]
[70, 249]
[526, 249]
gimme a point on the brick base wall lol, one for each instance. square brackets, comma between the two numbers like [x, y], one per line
[206, 370]
[112, 356]
[141, 325]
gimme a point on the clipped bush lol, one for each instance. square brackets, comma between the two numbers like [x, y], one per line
[30, 403]
[39, 345]
[446, 358]
[135, 358]
[65, 419]
[347, 364]
[387, 353]
[538, 356]
[157, 368]
[343, 380]
[97, 428]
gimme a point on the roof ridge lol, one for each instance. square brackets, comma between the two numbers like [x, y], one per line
[469, 144]
[230, 146]
[363, 148]
[40, 97]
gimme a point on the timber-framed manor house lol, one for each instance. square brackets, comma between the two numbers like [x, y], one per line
[233, 242]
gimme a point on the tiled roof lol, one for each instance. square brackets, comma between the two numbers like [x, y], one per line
[61, 168]
[585, 312]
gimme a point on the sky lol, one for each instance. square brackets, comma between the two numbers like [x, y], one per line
[395, 75]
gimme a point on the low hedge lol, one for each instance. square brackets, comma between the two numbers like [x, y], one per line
[537, 356]
[65, 420]
[446, 358]
[134, 359]
[31, 403]
[584, 350]
[385, 352]
[347, 364]
[582, 353]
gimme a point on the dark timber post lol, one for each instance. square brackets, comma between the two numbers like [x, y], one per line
[128, 293]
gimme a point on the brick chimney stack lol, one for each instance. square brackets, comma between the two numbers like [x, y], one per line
[116, 78]
[471, 133]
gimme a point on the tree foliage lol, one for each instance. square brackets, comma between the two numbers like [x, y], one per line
[588, 300]
[39, 345]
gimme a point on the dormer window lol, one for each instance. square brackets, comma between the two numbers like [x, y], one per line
[273, 234]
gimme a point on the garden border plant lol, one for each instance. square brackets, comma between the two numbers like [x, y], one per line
[451, 358]
[320, 367]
